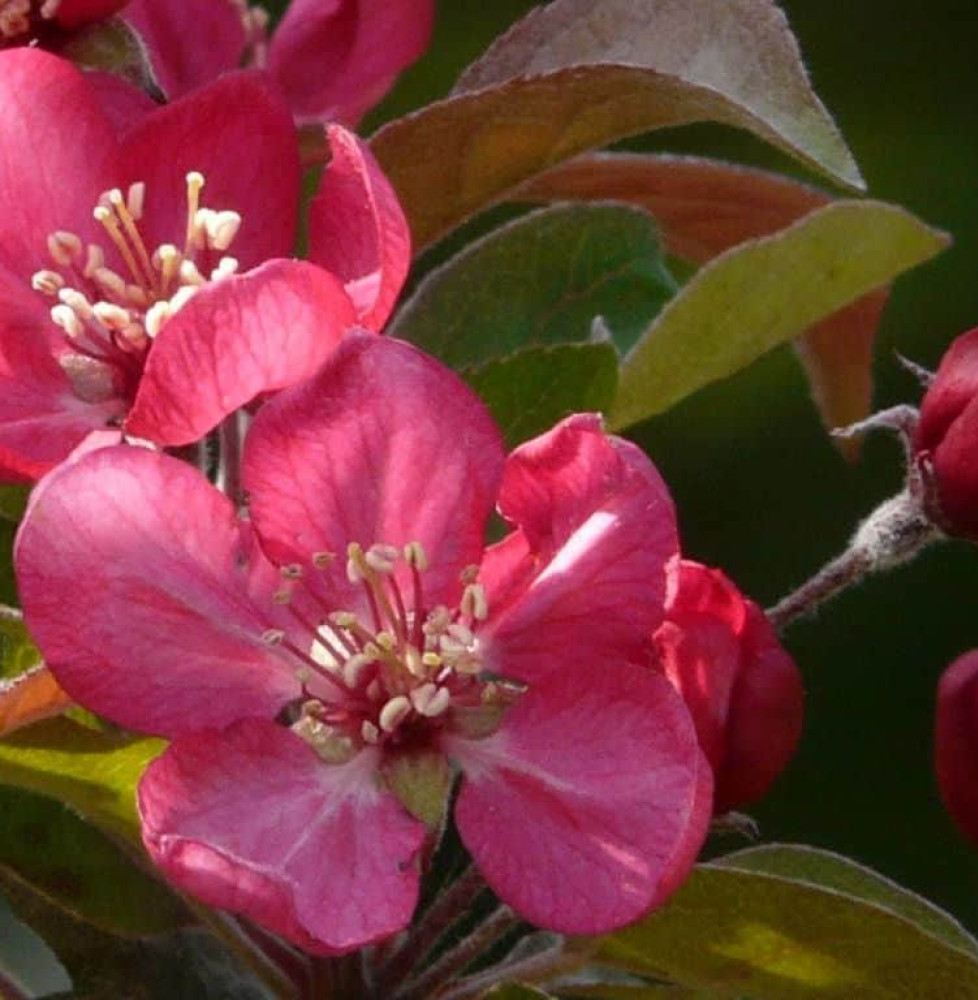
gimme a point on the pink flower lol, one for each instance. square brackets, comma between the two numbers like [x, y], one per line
[743, 690]
[956, 742]
[25, 22]
[333, 59]
[310, 682]
[119, 297]
[947, 437]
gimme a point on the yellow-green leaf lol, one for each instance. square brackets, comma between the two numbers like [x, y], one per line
[764, 292]
[746, 934]
[575, 75]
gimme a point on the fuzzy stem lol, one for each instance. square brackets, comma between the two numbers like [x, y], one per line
[452, 903]
[894, 533]
[533, 968]
[441, 974]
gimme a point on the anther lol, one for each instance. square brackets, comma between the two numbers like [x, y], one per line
[272, 636]
[190, 275]
[321, 560]
[77, 302]
[183, 296]
[94, 260]
[382, 558]
[65, 248]
[221, 228]
[431, 659]
[226, 267]
[283, 596]
[108, 281]
[355, 564]
[435, 703]
[414, 662]
[386, 641]
[135, 199]
[292, 571]
[469, 575]
[354, 667]
[112, 316]
[416, 557]
[394, 713]
[156, 316]
[66, 318]
[47, 282]
[369, 732]
[474, 603]
[343, 619]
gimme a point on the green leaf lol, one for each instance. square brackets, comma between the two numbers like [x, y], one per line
[746, 934]
[13, 502]
[542, 280]
[817, 867]
[113, 46]
[94, 772]
[575, 75]
[187, 963]
[527, 393]
[79, 869]
[18, 654]
[765, 292]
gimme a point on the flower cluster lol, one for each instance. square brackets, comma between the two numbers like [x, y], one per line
[340, 661]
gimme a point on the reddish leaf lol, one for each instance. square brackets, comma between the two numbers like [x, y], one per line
[575, 75]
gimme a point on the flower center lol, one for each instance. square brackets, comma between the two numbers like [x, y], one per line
[109, 318]
[399, 678]
[17, 17]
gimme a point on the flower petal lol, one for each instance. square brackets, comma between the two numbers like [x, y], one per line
[235, 339]
[588, 806]
[123, 102]
[357, 229]
[136, 588]
[190, 42]
[41, 419]
[237, 133]
[252, 821]
[46, 104]
[955, 743]
[337, 58]
[384, 444]
[76, 13]
[599, 527]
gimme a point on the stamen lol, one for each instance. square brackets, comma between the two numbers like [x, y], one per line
[109, 282]
[226, 267]
[65, 248]
[183, 296]
[369, 732]
[170, 259]
[221, 228]
[94, 260]
[156, 316]
[474, 603]
[195, 181]
[66, 318]
[135, 199]
[47, 282]
[382, 558]
[321, 560]
[394, 713]
[416, 556]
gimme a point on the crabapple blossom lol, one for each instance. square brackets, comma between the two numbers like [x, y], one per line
[946, 438]
[328, 667]
[142, 279]
[741, 687]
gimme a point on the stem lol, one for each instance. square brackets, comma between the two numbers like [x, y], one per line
[450, 905]
[229, 469]
[894, 533]
[443, 972]
[543, 965]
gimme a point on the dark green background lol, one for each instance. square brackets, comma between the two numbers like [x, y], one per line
[759, 488]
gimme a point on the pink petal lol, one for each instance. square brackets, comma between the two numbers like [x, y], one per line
[599, 529]
[190, 42]
[123, 103]
[357, 229]
[41, 419]
[252, 821]
[235, 339]
[384, 444]
[956, 742]
[136, 588]
[47, 105]
[586, 809]
[76, 13]
[337, 58]
[238, 134]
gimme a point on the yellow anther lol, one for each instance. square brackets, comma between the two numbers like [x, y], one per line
[135, 200]
[394, 713]
[356, 566]
[343, 619]
[385, 641]
[66, 318]
[156, 316]
[112, 316]
[414, 662]
[431, 659]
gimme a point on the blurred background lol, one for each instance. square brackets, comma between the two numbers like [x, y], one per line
[760, 489]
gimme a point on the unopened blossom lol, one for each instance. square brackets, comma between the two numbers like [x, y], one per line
[946, 440]
[956, 742]
[326, 669]
[740, 685]
[142, 283]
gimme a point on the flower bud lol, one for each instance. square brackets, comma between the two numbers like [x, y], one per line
[742, 689]
[956, 742]
[946, 441]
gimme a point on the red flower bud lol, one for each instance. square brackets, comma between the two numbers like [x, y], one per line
[946, 441]
[742, 689]
[956, 742]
